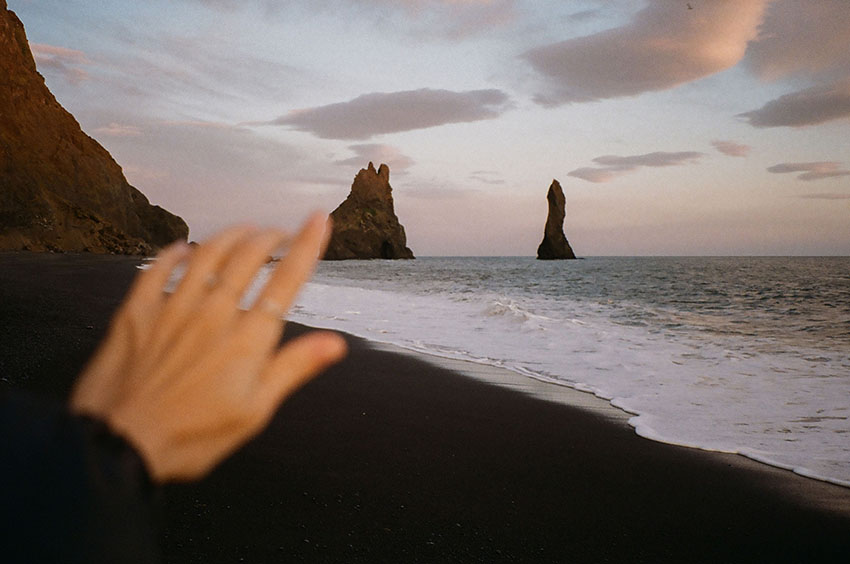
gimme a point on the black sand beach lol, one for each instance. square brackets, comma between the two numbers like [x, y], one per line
[386, 458]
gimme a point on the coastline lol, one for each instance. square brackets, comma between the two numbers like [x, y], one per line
[392, 457]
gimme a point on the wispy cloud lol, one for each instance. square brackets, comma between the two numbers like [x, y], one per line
[115, 129]
[583, 15]
[732, 149]
[457, 19]
[377, 153]
[491, 177]
[451, 19]
[811, 106]
[802, 39]
[390, 112]
[811, 171]
[613, 166]
[825, 196]
[66, 62]
[665, 45]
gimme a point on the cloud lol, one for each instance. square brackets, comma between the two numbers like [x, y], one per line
[452, 19]
[377, 153]
[731, 148]
[583, 15]
[811, 171]
[827, 196]
[390, 112]
[665, 45]
[491, 177]
[613, 166]
[802, 39]
[62, 60]
[811, 106]
[119, 130]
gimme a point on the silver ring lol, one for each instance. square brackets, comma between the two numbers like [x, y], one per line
[271, 307]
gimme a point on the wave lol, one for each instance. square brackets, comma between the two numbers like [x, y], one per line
[717, 392]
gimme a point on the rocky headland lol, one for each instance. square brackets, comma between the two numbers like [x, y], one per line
[555, 245]
[60, 190]
[365, 225]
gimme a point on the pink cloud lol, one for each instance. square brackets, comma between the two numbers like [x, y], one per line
[731, 148]
[61, 60]
[802, 39]
[807, 40]
[613, 166]
[665, 45]
[119, 130]
[811, 171]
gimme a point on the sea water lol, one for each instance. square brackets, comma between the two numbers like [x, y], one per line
[740, 355]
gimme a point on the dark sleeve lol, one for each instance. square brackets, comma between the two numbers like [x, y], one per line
[70, 490]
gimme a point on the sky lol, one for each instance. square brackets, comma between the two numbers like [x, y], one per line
[706, 127]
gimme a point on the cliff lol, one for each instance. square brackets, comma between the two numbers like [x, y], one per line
[555, 244]
[59, 189]
[365, 225]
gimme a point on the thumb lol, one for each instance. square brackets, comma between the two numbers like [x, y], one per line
[296, 363]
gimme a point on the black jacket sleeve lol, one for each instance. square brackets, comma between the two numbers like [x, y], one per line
[71, 490]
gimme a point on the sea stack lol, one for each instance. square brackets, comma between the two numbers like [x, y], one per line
[555, 245]
[59, 189]
[365, 225]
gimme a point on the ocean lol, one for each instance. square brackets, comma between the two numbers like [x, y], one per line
[740, 355]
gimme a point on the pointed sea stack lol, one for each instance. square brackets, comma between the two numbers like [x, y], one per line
[59, 189]
[555, 245]
[365, 225]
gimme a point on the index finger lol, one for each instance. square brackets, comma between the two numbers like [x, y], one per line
[294, 269]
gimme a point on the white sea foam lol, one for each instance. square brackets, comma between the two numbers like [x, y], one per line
[742, 390]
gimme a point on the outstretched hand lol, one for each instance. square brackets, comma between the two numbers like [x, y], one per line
[188, 377]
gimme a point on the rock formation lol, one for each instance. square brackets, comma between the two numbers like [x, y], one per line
[555, 244]
[59, 189]
[365, 225]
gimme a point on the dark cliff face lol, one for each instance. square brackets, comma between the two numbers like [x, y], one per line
[365, 225]
[59, 189]
[555, 244]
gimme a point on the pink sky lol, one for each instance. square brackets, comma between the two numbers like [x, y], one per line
[701, 127]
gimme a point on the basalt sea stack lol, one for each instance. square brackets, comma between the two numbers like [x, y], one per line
[365, 225]
[555, 244]
[59, 189]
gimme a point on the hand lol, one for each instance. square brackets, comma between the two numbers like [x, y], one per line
[188, 377]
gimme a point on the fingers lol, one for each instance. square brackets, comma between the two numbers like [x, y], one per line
[206, 262]
[295, 364]
[293, 270]
[194, 287]
[246, 260]
[150, 283]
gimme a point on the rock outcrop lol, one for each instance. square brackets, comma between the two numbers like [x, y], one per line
[365, 225]
[59, 189]
[555, 244]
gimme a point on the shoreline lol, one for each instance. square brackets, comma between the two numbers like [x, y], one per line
[562, 393]
[566, 394]
[389, 457]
